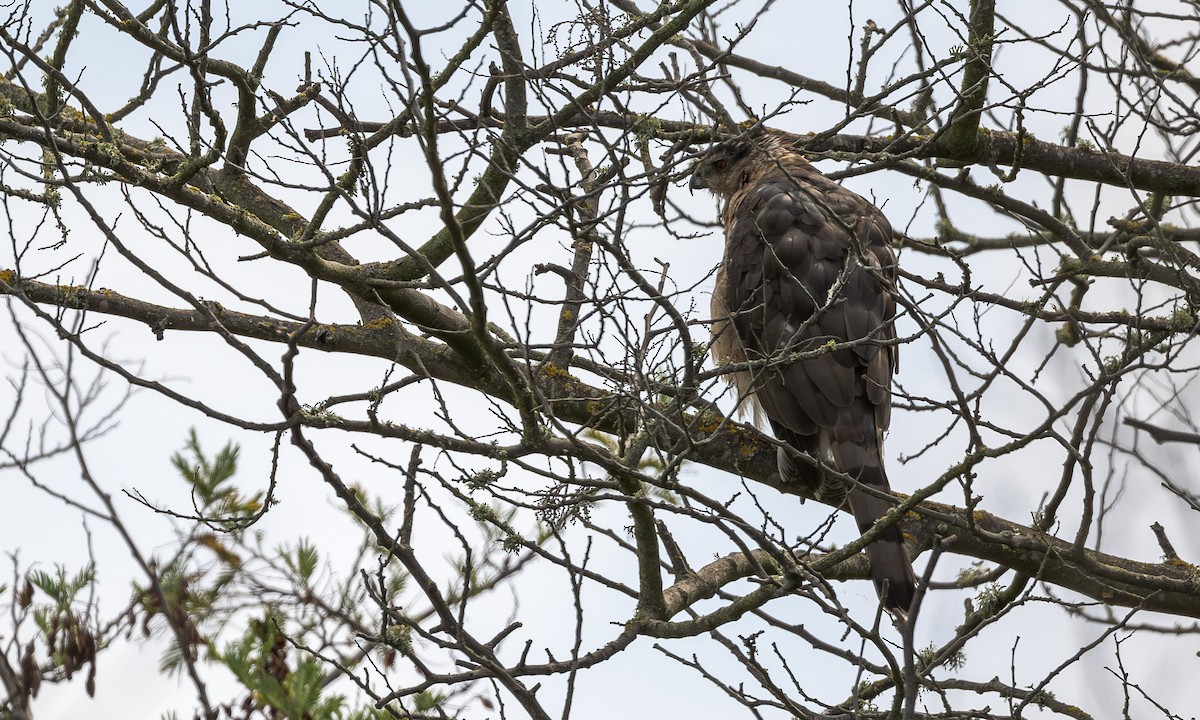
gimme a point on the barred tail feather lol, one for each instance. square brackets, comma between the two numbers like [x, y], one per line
[891, 570]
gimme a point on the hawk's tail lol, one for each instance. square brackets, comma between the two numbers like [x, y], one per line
[891, 570]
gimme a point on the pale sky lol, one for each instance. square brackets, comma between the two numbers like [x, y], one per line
[135, 455]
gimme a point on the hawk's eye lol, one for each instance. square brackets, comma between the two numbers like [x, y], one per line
[720, 165]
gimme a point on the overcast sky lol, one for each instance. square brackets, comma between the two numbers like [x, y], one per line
[810, 38]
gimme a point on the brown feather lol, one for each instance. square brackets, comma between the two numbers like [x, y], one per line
[808, 264]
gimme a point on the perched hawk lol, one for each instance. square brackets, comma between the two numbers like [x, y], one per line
[808, 267]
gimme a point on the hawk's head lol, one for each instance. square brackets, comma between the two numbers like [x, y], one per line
[726, 166]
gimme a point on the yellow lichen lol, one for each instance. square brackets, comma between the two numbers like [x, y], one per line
[709, 422]
[552, 370]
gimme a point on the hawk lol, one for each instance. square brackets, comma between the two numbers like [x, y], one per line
[804, 303]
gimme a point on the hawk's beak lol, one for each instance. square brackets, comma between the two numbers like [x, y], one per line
[697, 183]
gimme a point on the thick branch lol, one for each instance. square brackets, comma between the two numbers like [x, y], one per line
[718, 442]
[962, 137]
[994, 147]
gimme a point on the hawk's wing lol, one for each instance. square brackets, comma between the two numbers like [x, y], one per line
[808, 264]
